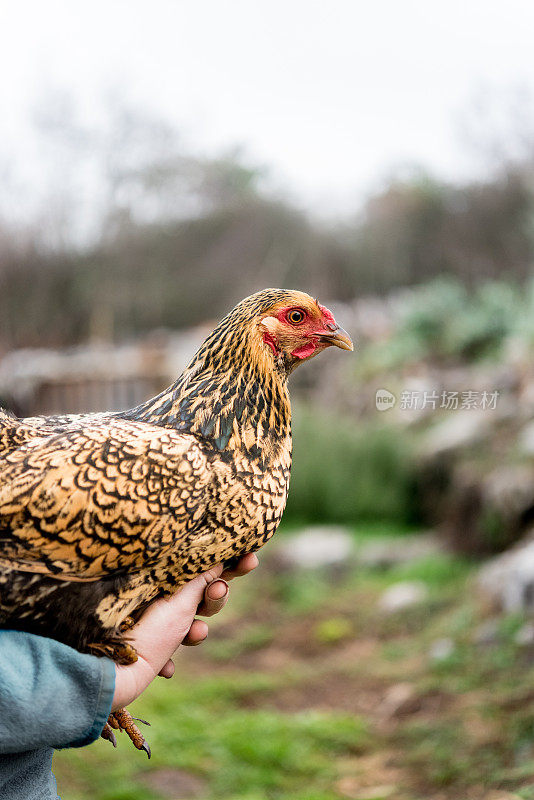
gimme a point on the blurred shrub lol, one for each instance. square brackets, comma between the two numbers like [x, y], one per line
[524, 320]
[346, 473]
[489, 317]
[444, 319]
[430, 316]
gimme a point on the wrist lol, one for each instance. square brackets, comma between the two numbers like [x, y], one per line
[130, 681]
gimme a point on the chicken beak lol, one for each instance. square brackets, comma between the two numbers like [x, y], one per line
[340, 338]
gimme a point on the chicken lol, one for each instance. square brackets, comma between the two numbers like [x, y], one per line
[102, 513]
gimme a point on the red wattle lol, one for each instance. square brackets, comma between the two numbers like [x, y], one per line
[304, 351]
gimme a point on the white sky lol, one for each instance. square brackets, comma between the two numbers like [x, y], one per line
[333, 95]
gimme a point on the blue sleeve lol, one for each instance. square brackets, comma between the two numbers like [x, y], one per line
[50, 695]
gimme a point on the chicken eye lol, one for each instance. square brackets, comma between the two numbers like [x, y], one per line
[296, 316]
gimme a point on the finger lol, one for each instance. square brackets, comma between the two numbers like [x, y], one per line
[215, 598]
[197, 633]
[167, 671]
[245, 565]
[166, 622]
[200, 583]
[162, 614]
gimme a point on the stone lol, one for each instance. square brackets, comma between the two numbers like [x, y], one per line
[456, 432]
[315, 547]
[525, 439]
[402, 595]
[487, 632]
[509, 488]
[398, 698]
[507, 581]
[389, 552]
[525, 635]
[441, 649]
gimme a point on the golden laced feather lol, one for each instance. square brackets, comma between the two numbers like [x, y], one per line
[101, 513]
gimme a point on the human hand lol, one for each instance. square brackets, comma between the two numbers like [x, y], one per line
[169, 622]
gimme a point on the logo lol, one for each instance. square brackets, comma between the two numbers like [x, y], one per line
[384, 400]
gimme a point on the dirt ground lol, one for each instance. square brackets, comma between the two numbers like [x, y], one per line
[308, 689]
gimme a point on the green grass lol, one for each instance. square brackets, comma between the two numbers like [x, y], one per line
[197, 727]
[284, 700]
[437, 572]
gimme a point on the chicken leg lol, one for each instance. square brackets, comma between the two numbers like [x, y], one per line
[122, 720]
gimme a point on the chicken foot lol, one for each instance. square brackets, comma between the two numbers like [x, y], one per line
[122, 720]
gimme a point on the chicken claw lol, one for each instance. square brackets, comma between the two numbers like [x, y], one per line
[122, 720]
